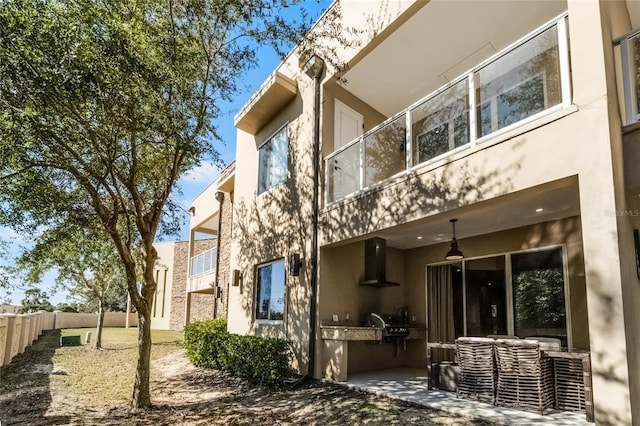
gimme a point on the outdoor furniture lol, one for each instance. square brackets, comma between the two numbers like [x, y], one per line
[572, 380]
[525, 376]
[477, 378]
[501, 336]
[433, 368]
[547, 343]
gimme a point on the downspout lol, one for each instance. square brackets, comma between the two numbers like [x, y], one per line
[220, 198]
[314, 68]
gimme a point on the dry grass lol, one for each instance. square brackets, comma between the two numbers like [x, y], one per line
[108, 374]
[52, 385]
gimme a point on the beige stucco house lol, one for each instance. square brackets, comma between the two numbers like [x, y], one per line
[517, 118]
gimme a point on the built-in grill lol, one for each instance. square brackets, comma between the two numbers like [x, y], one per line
[391, 325]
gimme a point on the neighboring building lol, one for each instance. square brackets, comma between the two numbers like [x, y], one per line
[169, 303]
[209, 273]
[518, 118]
[193, 276]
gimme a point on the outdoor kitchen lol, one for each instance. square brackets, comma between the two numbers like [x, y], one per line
[372, 322]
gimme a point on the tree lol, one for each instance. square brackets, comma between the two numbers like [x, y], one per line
[86, 262]
[35, 300]
[104, 104]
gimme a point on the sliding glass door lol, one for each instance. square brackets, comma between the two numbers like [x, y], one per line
[485, 286]
[520, 293]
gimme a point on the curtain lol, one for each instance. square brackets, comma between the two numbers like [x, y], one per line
[440, 311]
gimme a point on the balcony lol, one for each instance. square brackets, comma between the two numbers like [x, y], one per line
[203, 271]
[521, 83]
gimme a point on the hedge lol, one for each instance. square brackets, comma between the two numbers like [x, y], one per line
[258, 360]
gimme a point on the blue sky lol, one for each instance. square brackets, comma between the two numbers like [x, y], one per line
[196, 180]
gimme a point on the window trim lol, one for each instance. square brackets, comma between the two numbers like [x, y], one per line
[509, 284]
[255, 293]
[266, 141]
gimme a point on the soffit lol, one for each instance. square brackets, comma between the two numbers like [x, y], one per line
[440, 42]
[558, 200]
[270, 98]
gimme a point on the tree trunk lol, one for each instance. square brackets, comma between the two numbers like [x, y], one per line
[141, 395]
[100, 323]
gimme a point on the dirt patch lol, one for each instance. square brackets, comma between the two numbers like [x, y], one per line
[196, 396]
[187, 395]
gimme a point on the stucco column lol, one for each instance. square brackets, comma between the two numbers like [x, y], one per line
[598, 203]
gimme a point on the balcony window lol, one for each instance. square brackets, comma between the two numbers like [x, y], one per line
[385, 151]
[204, 263]
[517, 85]
[270, 291]
[343, 172]
[273, 161]
[630, 55]
[441, 123]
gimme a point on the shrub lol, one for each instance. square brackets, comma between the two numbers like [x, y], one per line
[204, 341]
[258, 360]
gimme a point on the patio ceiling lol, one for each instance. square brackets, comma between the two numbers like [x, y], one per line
[557, 200]
[440, 42]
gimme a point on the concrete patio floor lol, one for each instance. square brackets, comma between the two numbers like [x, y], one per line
[410, 385]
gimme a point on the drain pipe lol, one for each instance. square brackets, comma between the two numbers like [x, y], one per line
[314, 68]
[220, 199]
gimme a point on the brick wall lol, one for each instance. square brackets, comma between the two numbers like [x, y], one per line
[201, 304]
[224, 256]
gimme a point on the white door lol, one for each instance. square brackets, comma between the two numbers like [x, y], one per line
[348, 125]
[346, 165]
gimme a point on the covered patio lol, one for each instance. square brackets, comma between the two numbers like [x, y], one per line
[411, 385]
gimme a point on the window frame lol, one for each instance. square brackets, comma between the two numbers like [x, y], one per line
[271, 138]
[509, 285]
[256, 293]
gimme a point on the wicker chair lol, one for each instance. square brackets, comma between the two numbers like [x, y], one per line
[477, 368]
[525, 377]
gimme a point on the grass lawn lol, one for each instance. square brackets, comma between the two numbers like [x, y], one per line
[78, 385]
[108, 373]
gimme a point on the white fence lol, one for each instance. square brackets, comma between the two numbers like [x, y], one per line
[19, 331]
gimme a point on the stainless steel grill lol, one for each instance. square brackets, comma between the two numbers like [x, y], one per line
[391, 325]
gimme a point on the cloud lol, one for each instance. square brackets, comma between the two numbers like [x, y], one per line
[205, 173]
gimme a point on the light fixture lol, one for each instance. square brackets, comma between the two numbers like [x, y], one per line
[454, 253]
[294, 264]
[539, 210]
[237, 278]
[419, 237]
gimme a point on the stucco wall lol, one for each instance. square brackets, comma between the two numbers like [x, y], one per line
[83, 320]
[163, 272]
[275, 224]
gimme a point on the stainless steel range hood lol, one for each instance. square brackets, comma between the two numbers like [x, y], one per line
[375, 268]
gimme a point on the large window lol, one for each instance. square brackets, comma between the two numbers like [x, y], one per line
[272, 161]
[538, 293]
[519, 84]
[270, 291]
[520, 294]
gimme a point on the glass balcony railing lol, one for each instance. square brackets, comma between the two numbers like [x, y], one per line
[523, 82]
[630, 58]
[204, 263]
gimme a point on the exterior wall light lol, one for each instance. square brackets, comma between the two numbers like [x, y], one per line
[237, 277]
[454, 253]
[294, 264]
